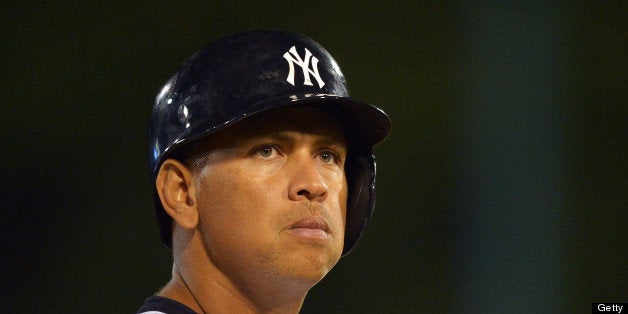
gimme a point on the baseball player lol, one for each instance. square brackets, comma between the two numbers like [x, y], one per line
[263, 173]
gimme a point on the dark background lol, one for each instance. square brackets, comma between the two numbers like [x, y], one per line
[502, 186]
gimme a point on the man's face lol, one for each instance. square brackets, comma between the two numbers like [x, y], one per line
[272, 194]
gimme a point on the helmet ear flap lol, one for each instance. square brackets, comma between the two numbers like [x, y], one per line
[361, 179]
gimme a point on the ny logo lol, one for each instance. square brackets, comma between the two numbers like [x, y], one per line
[293, 57]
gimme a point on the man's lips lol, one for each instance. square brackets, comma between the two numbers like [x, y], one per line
[310, 227]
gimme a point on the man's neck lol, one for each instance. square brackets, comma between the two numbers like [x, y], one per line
[211, 295]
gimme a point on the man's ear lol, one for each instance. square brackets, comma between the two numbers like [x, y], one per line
[176, 190]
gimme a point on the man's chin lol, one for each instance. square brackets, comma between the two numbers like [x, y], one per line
[314, 263]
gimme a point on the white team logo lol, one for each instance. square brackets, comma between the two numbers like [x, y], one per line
[293, 57]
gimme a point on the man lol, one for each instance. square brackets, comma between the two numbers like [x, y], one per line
[263, 173]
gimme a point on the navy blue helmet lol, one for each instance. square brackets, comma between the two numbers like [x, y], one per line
[244, 74]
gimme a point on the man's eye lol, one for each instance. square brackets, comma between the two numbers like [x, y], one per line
[265, 151]
[327, 157]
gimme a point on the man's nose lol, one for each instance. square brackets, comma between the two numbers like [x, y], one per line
[306, 181]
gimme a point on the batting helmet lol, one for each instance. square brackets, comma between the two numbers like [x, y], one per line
[244, 74]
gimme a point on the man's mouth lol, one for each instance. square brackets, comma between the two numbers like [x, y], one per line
[310, 228]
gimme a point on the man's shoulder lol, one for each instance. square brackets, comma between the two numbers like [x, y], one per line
[161, 305]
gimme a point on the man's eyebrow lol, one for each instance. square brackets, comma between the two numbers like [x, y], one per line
[276, 137]
[282, 137]
[324, 140]
[331, 141]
